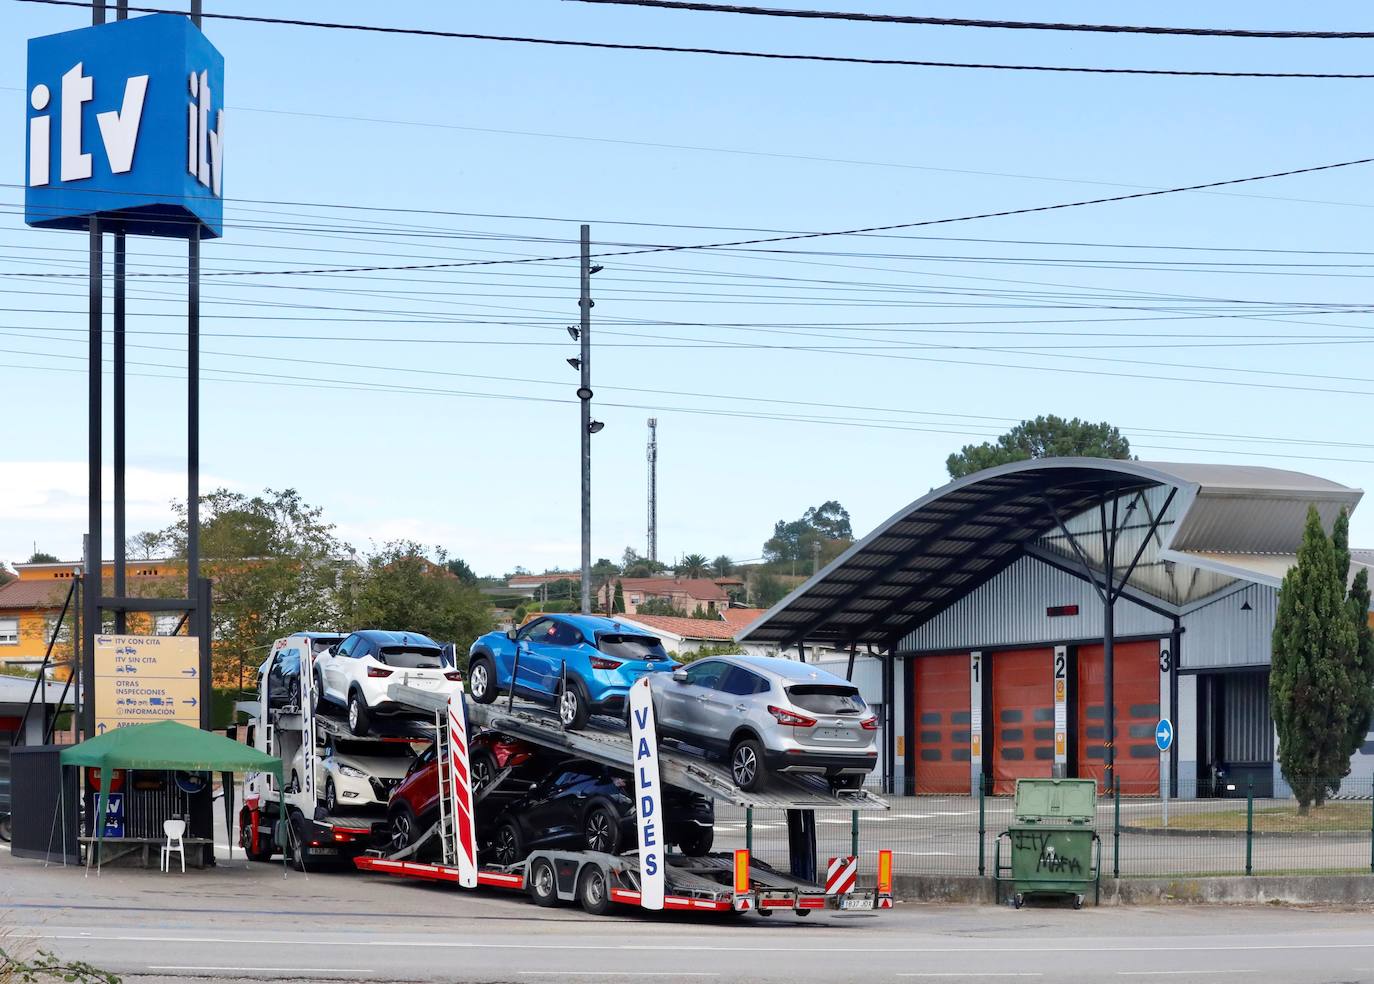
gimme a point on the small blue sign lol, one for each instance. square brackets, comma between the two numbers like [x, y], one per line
[114, 815]
[1164, 734]
[125, 121]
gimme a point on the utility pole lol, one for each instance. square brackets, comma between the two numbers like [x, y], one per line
[653, 489]
[584, 395]
[815, 558]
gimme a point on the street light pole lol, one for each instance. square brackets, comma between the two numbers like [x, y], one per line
[584, 394]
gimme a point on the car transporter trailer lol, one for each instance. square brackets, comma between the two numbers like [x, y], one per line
[721, 882]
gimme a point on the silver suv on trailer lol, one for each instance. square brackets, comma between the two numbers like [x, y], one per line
[768, 714]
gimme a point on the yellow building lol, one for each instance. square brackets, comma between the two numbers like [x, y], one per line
[29, 607]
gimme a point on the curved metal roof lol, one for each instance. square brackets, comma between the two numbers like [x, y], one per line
[953, 539]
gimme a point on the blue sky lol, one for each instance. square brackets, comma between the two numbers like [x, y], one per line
[517, 131]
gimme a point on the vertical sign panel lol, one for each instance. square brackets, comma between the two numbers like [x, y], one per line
[647, 796]
[1061, 711]
[975, 703]
[145, 679]
[460, 792]
[1166, 711]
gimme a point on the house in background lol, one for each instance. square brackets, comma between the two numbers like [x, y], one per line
[685, 594]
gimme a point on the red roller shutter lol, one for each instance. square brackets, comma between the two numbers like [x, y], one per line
[1022, 726]
[941, 742]
[1136, 681]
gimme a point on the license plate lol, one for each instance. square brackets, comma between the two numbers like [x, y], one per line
[854, 904]
[833, 734]
[325, 851]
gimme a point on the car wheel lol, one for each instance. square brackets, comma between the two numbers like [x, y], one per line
[331, 799]
[593, 890]
[746, 765]
[695, 842]
[601, 830]
[482, 680]
[404, 828]
[508, 846]
[542, 885]
[358, 718]
[6, 826]
[573, 706]
[484, 769]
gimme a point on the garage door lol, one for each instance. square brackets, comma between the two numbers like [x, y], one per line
[1022, 717]
[941, 747]
[1137, 711]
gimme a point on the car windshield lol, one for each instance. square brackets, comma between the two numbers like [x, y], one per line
[318, 646]
[411, 657]
[822, 698]
[374, 749]
[631, 646]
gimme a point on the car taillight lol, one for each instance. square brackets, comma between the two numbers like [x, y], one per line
[377, 671]
[869, 724]
[791, 717]
[601, 663]
[454, 675]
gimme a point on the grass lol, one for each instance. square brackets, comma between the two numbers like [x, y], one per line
[1331, 818]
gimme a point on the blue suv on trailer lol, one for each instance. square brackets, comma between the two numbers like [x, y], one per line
[603, 658]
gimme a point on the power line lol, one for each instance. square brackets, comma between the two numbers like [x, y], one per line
[790, 237]
[727, 52]
[847, 15]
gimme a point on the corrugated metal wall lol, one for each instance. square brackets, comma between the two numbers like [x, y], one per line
[1223, 633]
[1010, 611]
[1248, 731]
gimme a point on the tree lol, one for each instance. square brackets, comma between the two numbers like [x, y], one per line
[723, 566]
[6, 575]
[633, 565]
[1357, 610]
[659, 606]
[826, 525]
[1043, 437]
[618, 601]
[398, 588]
[276, 565]
[1311, 681]
[145, 545]
[458, 568]
[694, 565]
[39, 557]
[767, 589]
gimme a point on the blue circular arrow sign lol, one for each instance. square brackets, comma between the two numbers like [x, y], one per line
[1164, 734]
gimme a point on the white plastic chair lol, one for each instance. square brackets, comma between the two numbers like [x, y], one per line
[174, 829]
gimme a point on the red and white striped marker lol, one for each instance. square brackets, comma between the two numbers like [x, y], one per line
[841, 876]
[460, 792]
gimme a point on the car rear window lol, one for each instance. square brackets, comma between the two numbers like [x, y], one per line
[631, 646]
[825, 698]
[411, 657]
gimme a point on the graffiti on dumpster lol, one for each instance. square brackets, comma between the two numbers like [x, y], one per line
[1048, 859]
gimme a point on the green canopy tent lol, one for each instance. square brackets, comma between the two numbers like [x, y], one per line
[166, 745]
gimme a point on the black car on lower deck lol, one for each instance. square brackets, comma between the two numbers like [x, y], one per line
[584, 806]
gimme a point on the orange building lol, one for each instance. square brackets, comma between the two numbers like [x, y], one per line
[30, 606]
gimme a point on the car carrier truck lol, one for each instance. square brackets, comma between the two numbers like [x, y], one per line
[720, 882]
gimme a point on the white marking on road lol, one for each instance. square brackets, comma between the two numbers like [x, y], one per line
[275, 970]
[966, 974]
[791, 947]
[617, 973]
[1157, 973]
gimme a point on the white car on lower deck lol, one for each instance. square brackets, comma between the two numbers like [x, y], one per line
[362, 773]
[356, 673]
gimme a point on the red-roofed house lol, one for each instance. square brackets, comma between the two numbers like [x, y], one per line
[685, 593]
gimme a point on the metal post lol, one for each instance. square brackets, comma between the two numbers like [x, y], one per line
[749, 829]
[1249, 826]
[585, 398]
[193, 416]
[195, 12]
[849, 670]
[653, 489]
[1116, 831]
[120, 263]
[94, 446]
[982, 825]
[854, 834]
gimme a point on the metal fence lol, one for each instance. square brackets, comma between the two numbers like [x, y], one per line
[1142, 835]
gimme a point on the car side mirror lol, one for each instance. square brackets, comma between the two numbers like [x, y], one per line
[510, 634]
[679, 676]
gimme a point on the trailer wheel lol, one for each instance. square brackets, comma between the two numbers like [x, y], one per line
[696, 842]
[593, 890]
[264, 851]
[482, 680]
[541, 883]
[297, 850]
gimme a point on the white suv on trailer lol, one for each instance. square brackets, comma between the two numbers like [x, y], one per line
[356, 673]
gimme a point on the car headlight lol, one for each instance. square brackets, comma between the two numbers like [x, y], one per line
[352, 773]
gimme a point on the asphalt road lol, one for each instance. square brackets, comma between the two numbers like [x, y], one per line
[249, 922]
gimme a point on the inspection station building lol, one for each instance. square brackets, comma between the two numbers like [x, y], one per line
[995, 610]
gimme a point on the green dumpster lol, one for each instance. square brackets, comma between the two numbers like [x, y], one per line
[1052, 848]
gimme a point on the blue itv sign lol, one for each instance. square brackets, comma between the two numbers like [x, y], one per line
[126, 123]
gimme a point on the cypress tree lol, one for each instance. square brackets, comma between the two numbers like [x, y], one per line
[1357, 610]
[1311, 683]
[618, 602]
